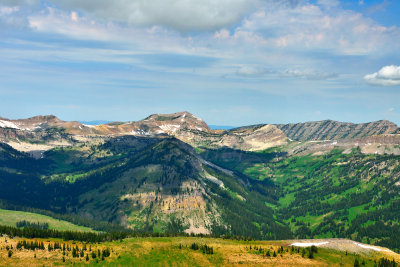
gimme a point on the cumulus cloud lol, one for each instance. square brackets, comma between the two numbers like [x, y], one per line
[314, 26]
[386, 76]
[283, 24]
[183, 15]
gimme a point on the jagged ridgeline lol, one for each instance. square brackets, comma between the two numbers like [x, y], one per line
[171, 173]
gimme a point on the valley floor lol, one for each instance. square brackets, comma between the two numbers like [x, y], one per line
[191, 251]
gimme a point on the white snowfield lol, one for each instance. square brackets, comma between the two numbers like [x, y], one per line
[370, 247]
[169, 127]
[309, 244]
[341, 244]
[139, 132]
[89, 126]
[214, 179]
[8, 124]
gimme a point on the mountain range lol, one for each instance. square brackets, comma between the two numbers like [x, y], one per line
[172, 173]
[45, 132]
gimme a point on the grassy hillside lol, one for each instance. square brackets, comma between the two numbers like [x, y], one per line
[333, 195]
[11, 217]
[180, 251]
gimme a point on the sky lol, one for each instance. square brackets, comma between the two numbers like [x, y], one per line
[230, 62]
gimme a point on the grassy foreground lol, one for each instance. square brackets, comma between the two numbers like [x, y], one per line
[176, 251]
[11, 217]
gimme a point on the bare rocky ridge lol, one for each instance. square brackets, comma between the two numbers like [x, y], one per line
[182, 125]
[41, 133]
[248, 139]
[334, 130]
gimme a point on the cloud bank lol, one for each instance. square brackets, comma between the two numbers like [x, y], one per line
[386, 76]
[182, 15]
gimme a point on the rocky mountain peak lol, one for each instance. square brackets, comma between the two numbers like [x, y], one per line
[181, 120]
[41, 119]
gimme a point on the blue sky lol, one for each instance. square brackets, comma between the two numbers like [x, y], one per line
[231, 62]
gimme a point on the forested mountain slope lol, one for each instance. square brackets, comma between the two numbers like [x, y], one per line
[148, 184]
[334, 195]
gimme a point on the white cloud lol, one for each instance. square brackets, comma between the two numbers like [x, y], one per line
[69, 24]
[54, 21]
[222, 34]
[252, 71]
[309, 74]
[6, 10]
[256, 71]
[309, 26]
[241, 24]
[183, 15]
[74, 16]
[386, 76]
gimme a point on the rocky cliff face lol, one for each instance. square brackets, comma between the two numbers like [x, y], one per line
[249, 138]
[334, 130]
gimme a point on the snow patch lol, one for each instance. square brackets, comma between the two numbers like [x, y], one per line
[197, 118]
[370, 247]
[309, 244]
[89, 126]
[169, 127]
[139, 132]
[8, 124]
[214, 180]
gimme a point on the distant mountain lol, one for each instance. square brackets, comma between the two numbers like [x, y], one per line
[247, 138]
[45, 132]
[334, 130]
[41, 133]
